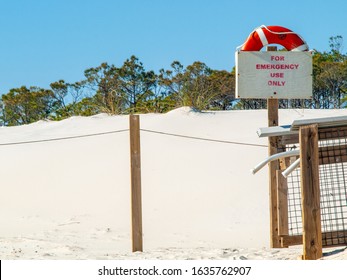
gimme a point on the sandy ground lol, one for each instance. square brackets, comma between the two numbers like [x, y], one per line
[70, 199]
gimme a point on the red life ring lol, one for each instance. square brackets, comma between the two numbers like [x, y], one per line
[265, 35]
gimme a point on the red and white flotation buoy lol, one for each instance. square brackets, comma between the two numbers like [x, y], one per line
[266, 35]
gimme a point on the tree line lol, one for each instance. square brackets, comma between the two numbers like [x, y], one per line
[131, 88]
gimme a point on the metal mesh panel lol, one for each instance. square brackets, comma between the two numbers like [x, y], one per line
[333, 189]
[294, 203]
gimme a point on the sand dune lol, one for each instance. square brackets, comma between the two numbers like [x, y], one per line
[70, 198]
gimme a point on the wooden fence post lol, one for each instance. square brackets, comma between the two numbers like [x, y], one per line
[136, 200]
[310, 192]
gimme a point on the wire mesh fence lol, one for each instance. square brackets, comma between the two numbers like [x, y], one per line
[333, 189]
[294, 203]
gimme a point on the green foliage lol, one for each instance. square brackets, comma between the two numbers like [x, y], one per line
[198, 86]
[86, 107]
[121, 90]
[132, 89]
[104, 81]
[136, 84]
[330, 76]
[26, 105]
[66, 99]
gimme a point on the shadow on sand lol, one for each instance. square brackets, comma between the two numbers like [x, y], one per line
[334, 252]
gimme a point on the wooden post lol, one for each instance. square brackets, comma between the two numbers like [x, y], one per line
[272, 105]
[282, 200]
[272, 108]
[310, 193]
[136, 201]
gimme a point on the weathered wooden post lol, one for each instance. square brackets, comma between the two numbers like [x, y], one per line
[136, 200]
[272, 109]
[282, 207]
[310, 193]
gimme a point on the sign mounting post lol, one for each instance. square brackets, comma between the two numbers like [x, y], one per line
[273, 75]
[272, 114]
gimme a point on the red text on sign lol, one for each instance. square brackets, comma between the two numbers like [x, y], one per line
[276, 83]
[277, 75]
[277, 58]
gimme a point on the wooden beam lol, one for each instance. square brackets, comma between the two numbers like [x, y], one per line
[291, 240]
[282, 200]
[136, 200]
[272, 106]
[329, 239]
[272, 109]
[289, 139]
[310, 193]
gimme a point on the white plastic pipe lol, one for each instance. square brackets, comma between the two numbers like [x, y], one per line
[291, 168]
[275, 157]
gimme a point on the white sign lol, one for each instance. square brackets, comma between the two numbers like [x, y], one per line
[282, 75]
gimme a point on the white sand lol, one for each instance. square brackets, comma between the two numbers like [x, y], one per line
[70, 199]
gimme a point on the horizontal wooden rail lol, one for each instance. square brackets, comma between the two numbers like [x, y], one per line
[329, 239]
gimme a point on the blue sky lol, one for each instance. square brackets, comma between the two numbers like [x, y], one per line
[43, 41]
